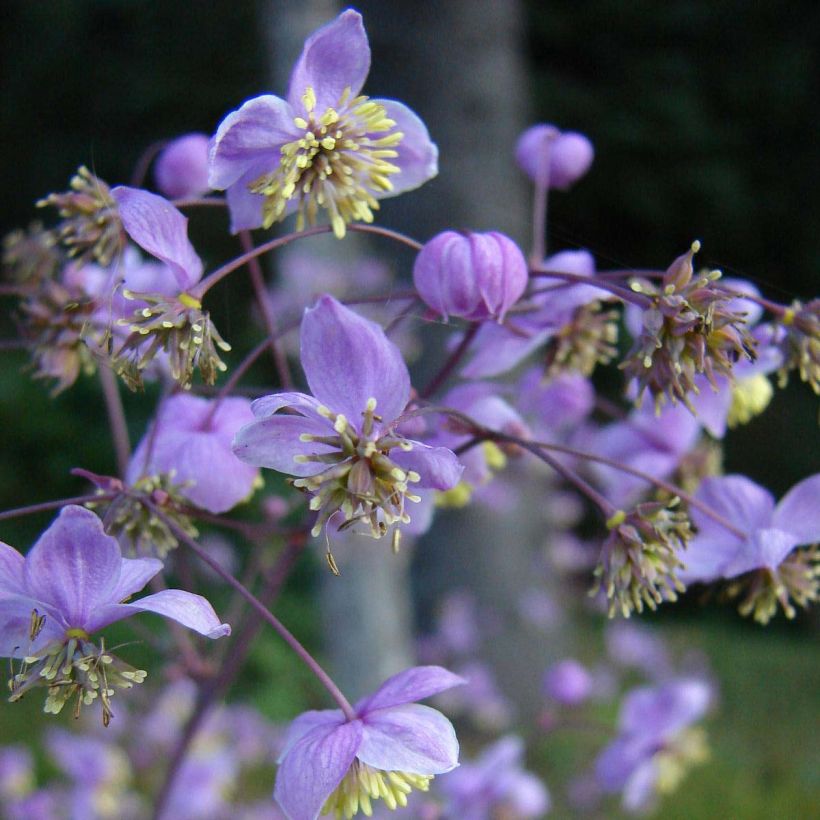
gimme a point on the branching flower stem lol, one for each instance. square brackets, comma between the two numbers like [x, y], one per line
[624, 294]
[56, 505]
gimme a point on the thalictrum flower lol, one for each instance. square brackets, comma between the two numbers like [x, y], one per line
[773, 570]
[553, 158]
[324, 147]
[342, 441]
[393, 745]
[182, 167]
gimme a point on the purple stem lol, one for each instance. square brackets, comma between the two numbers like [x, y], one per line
[452, 362]
[116, 419]
[144, 163]
[53, 505]
[626, 295]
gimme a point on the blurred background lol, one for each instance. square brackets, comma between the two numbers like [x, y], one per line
[704, 120]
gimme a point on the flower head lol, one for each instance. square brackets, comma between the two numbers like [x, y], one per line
[553, 158]
[332, 765]
[325, 147]
[342, 441]
[801, 342]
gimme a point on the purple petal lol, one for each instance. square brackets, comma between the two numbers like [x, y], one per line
[712, 406]
[418, 154]
[412, 684]
[181, 169]
[314, 767]
[268, 405]
[766, 548]
[438, 467]
[746, 505]
[499, 348]
[159, 228]
[410, 738]
[74, 567]
[11, 570]
[249, 139]
[334, 58]
[15, 626]
[305, 723]
[190, 610]
[799, 511]
[245, 206]
[274, 442]
[135, 573]
[348, 360]
[706, 557]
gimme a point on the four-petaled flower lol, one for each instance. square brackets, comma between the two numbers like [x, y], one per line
[325, 146]
[393, 745]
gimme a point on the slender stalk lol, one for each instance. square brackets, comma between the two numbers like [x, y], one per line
[539, 223]
[237, 374]
[32, 509]
[201, 202]
[144, 163]
[116, 419]
[452, 362]
[625, 294]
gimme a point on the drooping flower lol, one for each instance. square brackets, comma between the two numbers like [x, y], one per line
[763, 564]
[70, 585]
[476, 276]
[801, 342]
[655, 745]
[553, 158]
[324, 147]
[332, 765]
[342, 441]
[496, 785]
[181, 169]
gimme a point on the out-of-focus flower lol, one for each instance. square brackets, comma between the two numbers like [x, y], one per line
[801, 342]
[476, 276]
[70, 585]
[31, 256]
[768, 568]
[655, 745]
[181, 169]
[553, 158]
[325, 146]
[16, 772]
[636, 645]
[342, 441]
[393, 745]
[568, 682]
[495, 785]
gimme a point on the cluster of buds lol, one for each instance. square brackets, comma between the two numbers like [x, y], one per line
[590, 338]
[91, 226]
[801, 343]
[639, 560]
[31, 256]
[688, 329]
[178, 325]
[796, 579]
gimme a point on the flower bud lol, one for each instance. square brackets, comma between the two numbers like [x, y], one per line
[182, 167]
[472, 275]
[553, 158]
[568, 682]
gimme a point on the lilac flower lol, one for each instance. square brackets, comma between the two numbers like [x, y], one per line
[655, 745]
[182, 167]
[393, 745]
[70, 585]
[342, 441]
[568, 682]
[767, 547]
[191, 437]
[552, 158]
[325, 146]
[496, 785]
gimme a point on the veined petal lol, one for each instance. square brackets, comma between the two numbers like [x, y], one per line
[438, 467]
[799, 511]
[268, 405]
[11, 570]
[335, 57]
[308, 721]
[250, 138]
[418, 154]
[314, 767]
[190, 610]
[410, 738]
[412, 684]
[348, 360]
[765, 549]
[739, 500]
[135, 573]
[161, 230]
[274, 442]
[15, 626]
[74, 566]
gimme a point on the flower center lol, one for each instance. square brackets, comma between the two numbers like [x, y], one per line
[362, 481]
[362, 784]
[340, 163]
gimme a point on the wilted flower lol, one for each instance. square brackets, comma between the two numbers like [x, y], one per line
[325, 146]
[342, 441]
[181, 169]
[639, 562]
[767, 568]
[91, 225]
[69, 586]
[333, 765]
[553, 158]
[476, 276]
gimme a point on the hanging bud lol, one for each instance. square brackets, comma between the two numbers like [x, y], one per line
[552, 158]
[182, 167]
[476, 276]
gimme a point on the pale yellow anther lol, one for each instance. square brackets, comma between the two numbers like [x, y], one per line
[371, 405]
[340, 425]
[695, 247]
[406, 446]
[324, 412]
[413, 477]
[309, 99]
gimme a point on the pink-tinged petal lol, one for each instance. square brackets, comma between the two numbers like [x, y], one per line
[314, 767]
[250, 138]
[161, 230]
[418, 154]
[188, 609]
[746, 505]
[799, 511]
[334, 58]
[438, 467]
[412, 684]
[135, 573]
[15, 626]
[74, 566]
[410, 738]
[274, 442]
[268, 405]
[11, 570]
[706, 557]
[765, 549]
[306, 722]
[348, 360]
